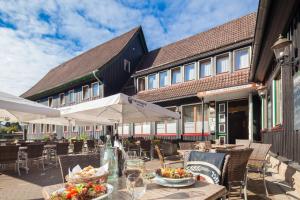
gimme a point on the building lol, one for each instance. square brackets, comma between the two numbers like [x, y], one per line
[204, 77]
[99, 72]
[279, 79]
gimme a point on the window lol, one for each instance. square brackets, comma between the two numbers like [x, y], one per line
[241, 59]
[152, 81]
[176, 75]
[66, 129]
[98, 128]
[192, 117]
[42, 128]
[141, 84]
[33, 128]
[127, 66]
[62, 100]
[87, 128]
[48, 128]
[222, 64]
[167, 126]
[53, 128]
[71, 96]
[95, 89]
[189, 72]
[163, 79]
[205, 68]
[85, 92]
[277, 100]
[50, 101]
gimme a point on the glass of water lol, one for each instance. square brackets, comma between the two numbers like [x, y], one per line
[136, 185]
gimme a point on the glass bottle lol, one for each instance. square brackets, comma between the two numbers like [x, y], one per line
[110, 157]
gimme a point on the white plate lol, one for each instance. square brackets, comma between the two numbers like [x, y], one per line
[164, 183]
[110, 189]
[174, 180]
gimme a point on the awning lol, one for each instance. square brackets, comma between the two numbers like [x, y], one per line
[230, 93]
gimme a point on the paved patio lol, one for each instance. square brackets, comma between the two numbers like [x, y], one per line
[29, 186]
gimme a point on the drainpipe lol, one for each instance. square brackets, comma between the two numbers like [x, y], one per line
[202, 138]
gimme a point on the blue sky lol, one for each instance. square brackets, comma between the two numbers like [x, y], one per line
[37, 36]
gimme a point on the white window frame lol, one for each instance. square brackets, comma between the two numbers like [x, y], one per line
[249, 57]
[195, 68]
[181, 75]
[222, 104]
[51, 102]
[205, 61]
[138, 85]
[64, 99]
[73, 91]
[227, 54]
[168, 78]
[42, 128]
[125, 65]
[85, 86]
[157, 83]
[53, 130]
[92, 89]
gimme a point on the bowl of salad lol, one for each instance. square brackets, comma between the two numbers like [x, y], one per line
[83, 191]
[174, 175]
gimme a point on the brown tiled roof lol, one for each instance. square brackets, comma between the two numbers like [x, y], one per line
[191, 88]
[82, 64]
[229, 33]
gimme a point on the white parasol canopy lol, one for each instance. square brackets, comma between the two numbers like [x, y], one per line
[14, 108]
[118, 108]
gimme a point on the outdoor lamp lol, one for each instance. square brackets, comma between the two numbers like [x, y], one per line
[281, 47]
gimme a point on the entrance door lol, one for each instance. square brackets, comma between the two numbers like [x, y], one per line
[237, 121]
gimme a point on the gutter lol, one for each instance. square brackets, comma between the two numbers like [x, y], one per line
[261, 20]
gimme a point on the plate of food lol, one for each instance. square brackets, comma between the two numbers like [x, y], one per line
[165, 183]
[87, 191]
[171, 175]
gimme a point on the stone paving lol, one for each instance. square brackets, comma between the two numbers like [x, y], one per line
[29, 186]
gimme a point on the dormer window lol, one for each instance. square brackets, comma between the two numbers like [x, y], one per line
[71, 96]
[205, 68]
[141, 84]
[223, 64]
[241, 59]
[152, 81]
[62, 99]
[95, 89]
[176, 75]
[189, 72]
[163, 79]
[50, 101]
[85, 92]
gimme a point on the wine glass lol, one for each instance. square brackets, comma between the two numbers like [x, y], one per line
[136, 185]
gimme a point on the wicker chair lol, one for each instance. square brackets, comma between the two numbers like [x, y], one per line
[257, 161]
[91, 145]
[67, 162]
[35, 153]
[236, 173]
[168, 160]
[186, 145]
[62, 148]
[9, 154]
[245, 143]
[77, 146]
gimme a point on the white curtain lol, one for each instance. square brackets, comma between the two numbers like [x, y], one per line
[241, 59]
[222, 64]
[146, 128]
[160, 127]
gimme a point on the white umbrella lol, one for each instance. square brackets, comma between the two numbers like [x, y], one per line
[118, 108]
[14, 108]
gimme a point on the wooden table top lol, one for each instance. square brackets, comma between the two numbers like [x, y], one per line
[200, 190]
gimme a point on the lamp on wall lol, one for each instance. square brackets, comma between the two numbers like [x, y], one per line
[281, 48]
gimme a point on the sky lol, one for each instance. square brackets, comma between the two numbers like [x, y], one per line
[36, 36]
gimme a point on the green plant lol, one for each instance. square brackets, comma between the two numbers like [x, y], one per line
[83, 136]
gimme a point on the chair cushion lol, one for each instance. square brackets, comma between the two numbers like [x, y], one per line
[205, 164]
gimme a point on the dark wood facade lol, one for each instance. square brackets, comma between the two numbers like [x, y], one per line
[274, 18]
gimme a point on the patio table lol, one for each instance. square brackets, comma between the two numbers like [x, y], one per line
[200, 190]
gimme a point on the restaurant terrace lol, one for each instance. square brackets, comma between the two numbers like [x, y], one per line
[212, 116]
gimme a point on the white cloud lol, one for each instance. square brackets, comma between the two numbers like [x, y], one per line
[35, 46]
